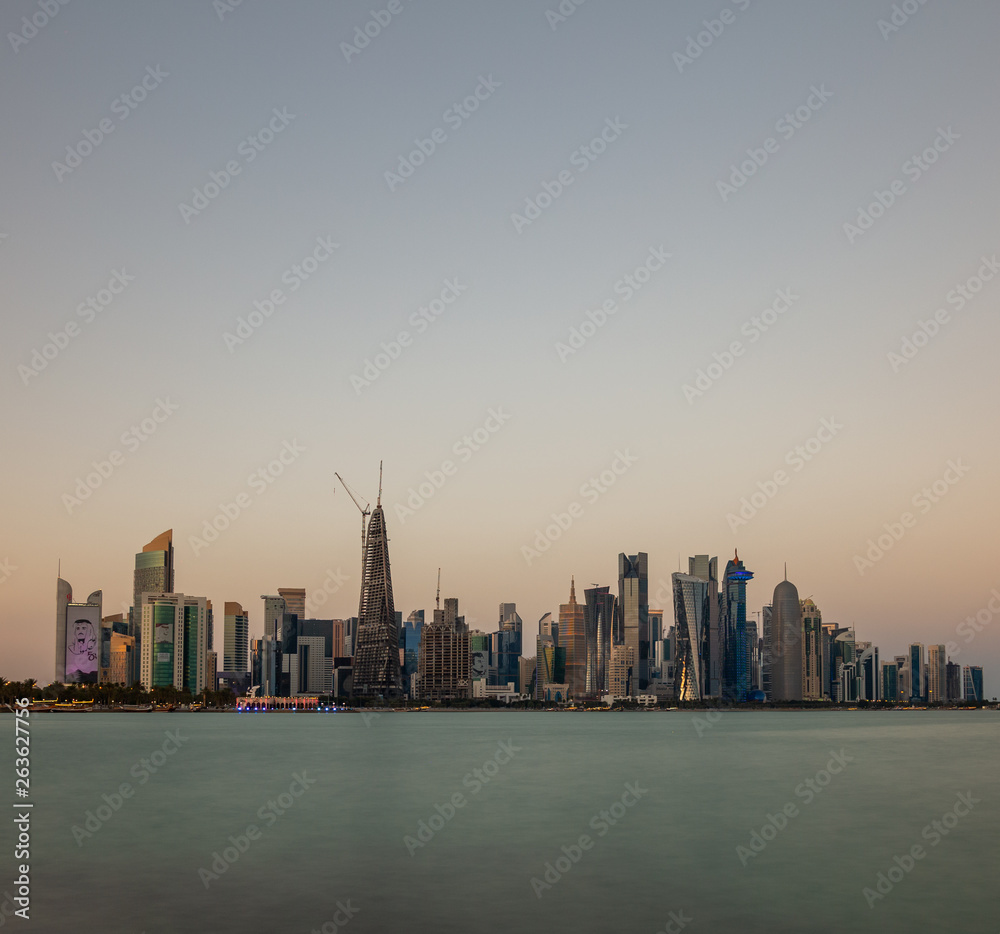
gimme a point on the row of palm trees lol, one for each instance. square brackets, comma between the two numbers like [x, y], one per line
[107, 695]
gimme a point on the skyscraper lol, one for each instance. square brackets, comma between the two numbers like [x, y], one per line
[443, 660]
[918, 672]
[953, 681]
[691, 616]
[633, 603]
[154, 573]
[972, 682]
[295, 599]
[376, 654]
[236, 636]
[785, 649]
[937, 685]
[174, 642]
[78, 636]
[573, 637]
[550, 661]
[707, 569]
[274, 610]
[737, 649]
[506, 647]
[599, 622]
[812, 650]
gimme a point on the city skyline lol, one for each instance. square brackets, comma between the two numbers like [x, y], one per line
[713, 615]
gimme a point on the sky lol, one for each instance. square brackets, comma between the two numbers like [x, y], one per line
[676, 278]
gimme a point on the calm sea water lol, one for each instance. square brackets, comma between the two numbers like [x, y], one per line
[667, 855]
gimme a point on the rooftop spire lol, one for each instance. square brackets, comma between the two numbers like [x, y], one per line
[572, 589]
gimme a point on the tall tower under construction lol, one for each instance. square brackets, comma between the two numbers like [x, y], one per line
[376, 652]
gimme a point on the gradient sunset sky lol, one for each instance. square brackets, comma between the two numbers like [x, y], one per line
[872, 99]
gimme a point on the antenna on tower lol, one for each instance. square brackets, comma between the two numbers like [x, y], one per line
[437, 599]
[379, 502]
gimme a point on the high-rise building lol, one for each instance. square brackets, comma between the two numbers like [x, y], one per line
[691, 618]
[633, 603]
[275, 609]
[443, 660]
[527, 676]
[295, 599]
[236, 636]
[409, 642]
[599, 623]
[707, 569]
[903, 692]
[953, 681]
[812, 650]
[937, 684]
[869, 683]
[154, 573]
[890, 681]
[78, 636]
[842, 659]
[765, 651]
[509, 617]
[785, 650]
[174, 641]
[918, 672]
[972, 682]
[736, 648]
[655, 643]
[376, 654]
[573, 637]
[504, 664]
[620, 671]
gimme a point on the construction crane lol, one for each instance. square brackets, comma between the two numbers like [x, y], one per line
[365, 513]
